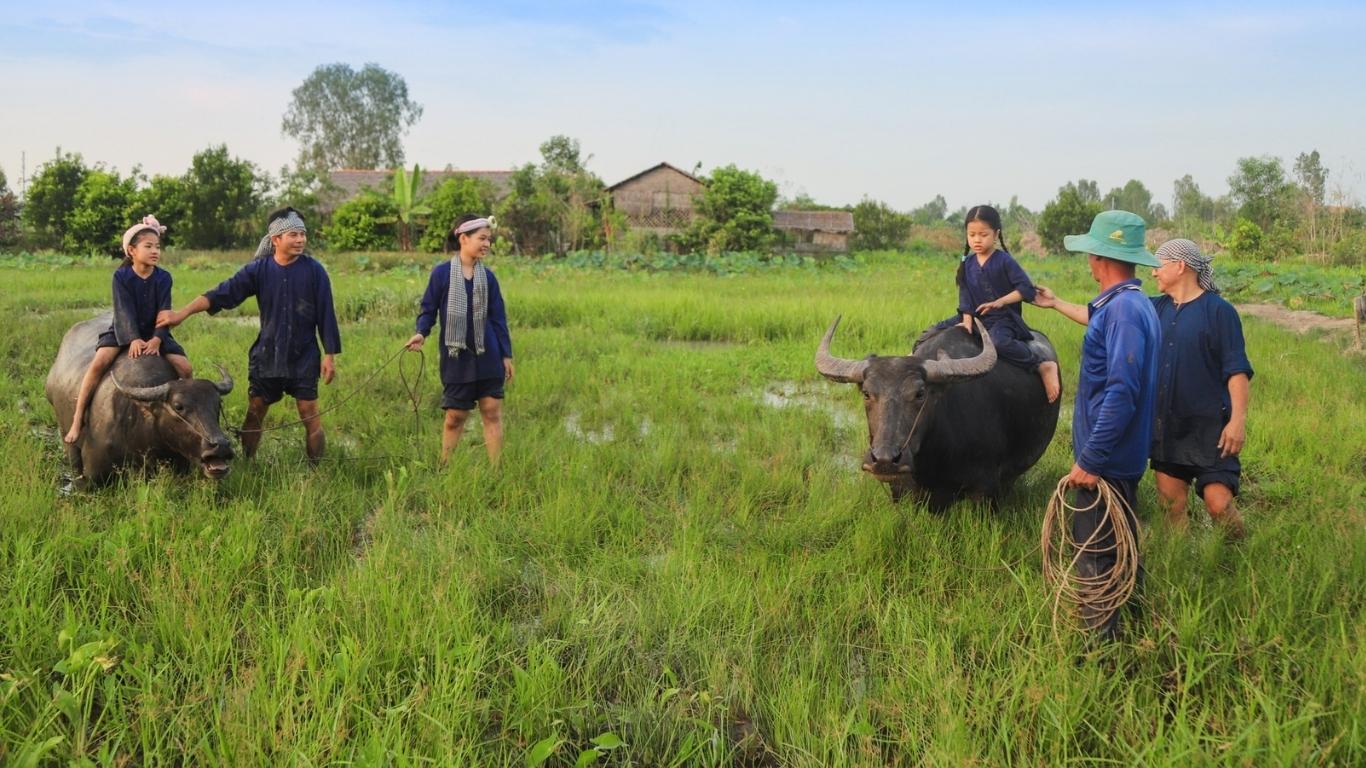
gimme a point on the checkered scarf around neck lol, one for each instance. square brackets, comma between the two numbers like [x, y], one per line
[457, 305]
[1188, 252]
[286, 223]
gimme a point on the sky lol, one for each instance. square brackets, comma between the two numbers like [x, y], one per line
[897, 102]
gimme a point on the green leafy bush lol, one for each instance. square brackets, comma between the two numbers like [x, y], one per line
[733, 213]
[363, 223]
[455, 197]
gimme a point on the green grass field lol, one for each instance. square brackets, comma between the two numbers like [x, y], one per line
[678, 562]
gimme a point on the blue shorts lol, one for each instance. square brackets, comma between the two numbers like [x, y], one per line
[1228, 472]
[271, 390]
[169, 346]
[463, 396]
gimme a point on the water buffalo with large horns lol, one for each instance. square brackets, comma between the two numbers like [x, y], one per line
[140, 413]
[947, 421]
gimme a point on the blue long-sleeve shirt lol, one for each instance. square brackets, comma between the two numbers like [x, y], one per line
[988, 282]
[295, 303]
[1202, 348]
[136, 303]
[1112, 419]
[466, 366]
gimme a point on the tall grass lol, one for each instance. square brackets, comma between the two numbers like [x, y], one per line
[678, 551]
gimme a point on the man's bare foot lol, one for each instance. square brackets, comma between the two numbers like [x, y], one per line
[1052, 385]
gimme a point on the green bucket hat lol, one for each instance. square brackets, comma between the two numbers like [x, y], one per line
[1115, 235]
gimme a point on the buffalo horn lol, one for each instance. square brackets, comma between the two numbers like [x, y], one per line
[837, 368]
[947, 369]
[142, 393]
[224, 383]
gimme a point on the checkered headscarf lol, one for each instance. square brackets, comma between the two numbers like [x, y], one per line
[1184, 250]
[286, 223]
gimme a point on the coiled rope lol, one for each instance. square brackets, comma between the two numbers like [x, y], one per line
[1096, 597]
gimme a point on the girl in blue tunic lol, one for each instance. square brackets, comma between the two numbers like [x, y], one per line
[991, 285]
[476, 349]
[141, 289]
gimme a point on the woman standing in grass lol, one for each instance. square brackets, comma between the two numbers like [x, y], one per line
[141, 289]
[476, 349]
[991, 285]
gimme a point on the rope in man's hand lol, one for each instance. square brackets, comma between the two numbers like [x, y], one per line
[1097, 597]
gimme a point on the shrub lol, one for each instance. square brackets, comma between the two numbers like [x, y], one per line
[733, 213]
[1246, 240]
[455, 197]
[1068, 214]
[363, 223]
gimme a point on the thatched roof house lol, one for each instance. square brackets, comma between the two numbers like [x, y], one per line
[816, 231]
[658, 199]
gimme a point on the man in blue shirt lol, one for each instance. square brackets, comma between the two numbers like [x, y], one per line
[1202, 390]
[294, 296]
[1112, 418]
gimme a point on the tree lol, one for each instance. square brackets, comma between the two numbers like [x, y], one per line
[555, 207]
[1262, 192]
[1134, 197]
[560, 154]
[1069, 213]
[9, 214]
[1189, 204]
[348, 119]
[164, 198]
[100, 215]
[1313, 179]
[932, 212]
[457, 195]
[734, 212]
[223, 196]
[877, 226]
[52, 197]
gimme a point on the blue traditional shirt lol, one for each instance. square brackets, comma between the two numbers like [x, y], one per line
[1112, 419]
[466, 366]
[136, 303]
[295, 302]
[1202, 348]
[988, 282]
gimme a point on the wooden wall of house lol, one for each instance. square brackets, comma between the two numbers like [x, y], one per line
[660, 200]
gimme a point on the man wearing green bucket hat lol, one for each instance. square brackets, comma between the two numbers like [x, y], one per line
[1112, 419]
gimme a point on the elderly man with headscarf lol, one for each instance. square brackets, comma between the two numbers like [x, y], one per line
[1203, 377]
[294, 296]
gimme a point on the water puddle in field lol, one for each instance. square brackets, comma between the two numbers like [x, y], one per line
[810, 396]
[592, 437]
[606, 434]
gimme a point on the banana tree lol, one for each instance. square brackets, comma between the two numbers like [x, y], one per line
[405, 203]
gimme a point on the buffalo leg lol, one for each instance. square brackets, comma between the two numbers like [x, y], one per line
[940, 501]
[901, 488]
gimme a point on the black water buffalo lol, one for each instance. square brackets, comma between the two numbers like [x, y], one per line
[946, 421]
[140, 413]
